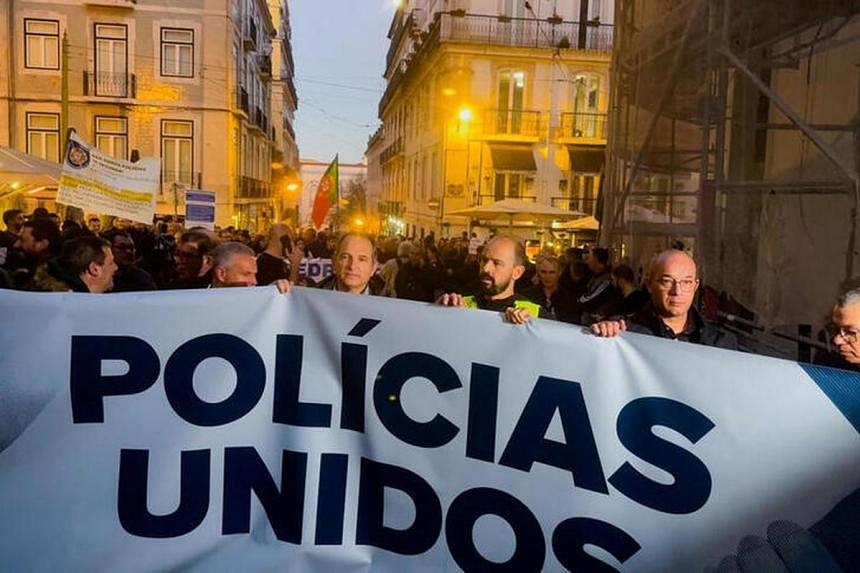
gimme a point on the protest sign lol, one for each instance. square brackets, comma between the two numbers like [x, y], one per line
[94, 181]
[199, 208]
[240, 429]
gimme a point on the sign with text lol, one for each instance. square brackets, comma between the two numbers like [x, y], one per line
[241, 429]
[96, 182]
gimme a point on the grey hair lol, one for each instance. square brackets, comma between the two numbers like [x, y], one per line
[849, 297]
[222, 255]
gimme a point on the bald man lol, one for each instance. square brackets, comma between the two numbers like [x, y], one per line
[672, 285]
[501, 263]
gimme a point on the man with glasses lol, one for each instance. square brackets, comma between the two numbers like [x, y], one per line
[845, 329]
[672, 285]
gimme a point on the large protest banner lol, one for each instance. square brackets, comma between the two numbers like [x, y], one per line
[239, 429]
[97, 182]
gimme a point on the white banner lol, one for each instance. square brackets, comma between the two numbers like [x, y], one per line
[99, 183]
[316, 269]
[242, 430]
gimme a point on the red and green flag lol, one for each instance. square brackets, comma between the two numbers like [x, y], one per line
[327, 194]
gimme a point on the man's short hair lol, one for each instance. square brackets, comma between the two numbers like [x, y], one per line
[44, 229]
[624, 272]
[849, 298]
[600, 254]
[365, 236]
[40, 213]
[551, 259]
[519, 248]
[112, 234]
[222, 255]
[10, 214]
[77, 254]
[203, 238]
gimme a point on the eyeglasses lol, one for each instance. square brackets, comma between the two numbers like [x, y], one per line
[684, 285]
[850, 335]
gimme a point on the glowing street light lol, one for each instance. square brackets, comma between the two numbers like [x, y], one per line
[465, 114]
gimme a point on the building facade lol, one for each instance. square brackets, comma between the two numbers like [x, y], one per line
[492, 99]
[191, 83]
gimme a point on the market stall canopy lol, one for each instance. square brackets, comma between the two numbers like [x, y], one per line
[587, 223]
[22, 172]
[517, 210]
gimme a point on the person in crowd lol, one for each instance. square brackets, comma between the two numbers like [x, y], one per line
[633, 298]
[555, 301]
[845, 330]
[280, 259]
[39, 241]
[501, 264]
[13, 219]
[94, 224]
[193, 265]
[600, 297]
[234, 264]
[672, 286]
[388, 271]
[129, 277]
[86, 264]
[417, 276]
[354, 266]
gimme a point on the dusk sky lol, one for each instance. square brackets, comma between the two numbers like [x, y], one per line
[339, 50]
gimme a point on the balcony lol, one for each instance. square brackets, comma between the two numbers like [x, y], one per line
[265, 65]
[587, 205]
[249, 41]
[289, 129]
[129, 4]
[392, 151]
[242, 99]
[513, 122]
[582, 126]
[526, 32]
[249, 188]
[485, 30]
[109, 84]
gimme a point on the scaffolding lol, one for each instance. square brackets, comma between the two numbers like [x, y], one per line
[709, 114]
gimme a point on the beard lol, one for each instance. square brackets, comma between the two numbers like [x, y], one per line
[492, 288]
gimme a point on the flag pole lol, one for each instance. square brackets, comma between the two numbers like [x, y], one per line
[337, 213]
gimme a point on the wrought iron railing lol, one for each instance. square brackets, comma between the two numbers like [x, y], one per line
[583, 125]
[587, 205]
[110, 84]
[512, 122]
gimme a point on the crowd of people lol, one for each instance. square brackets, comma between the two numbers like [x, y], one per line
[581, 286]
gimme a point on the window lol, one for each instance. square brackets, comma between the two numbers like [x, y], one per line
[112, 136]
[511, 88]
[43, 135]
[41, 44]
[111, 60]
[177, 151]
[177, 52]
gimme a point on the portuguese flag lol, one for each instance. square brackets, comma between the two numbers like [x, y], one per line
[327, 194]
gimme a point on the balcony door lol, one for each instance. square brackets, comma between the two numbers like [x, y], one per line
[111, 60]
[510, 104]
[586, 106]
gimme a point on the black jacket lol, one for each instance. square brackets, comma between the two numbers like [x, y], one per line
[698, 331]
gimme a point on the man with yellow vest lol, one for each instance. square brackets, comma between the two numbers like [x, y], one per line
[501, 263]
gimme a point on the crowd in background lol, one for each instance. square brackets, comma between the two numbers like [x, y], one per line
[40, 252]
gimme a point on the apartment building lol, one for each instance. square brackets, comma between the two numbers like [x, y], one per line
[488, 100]
[190, 82]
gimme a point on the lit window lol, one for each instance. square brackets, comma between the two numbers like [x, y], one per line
[112, 136]
[43, 135]
[177, 151]
[41, 44]
[177, 52]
